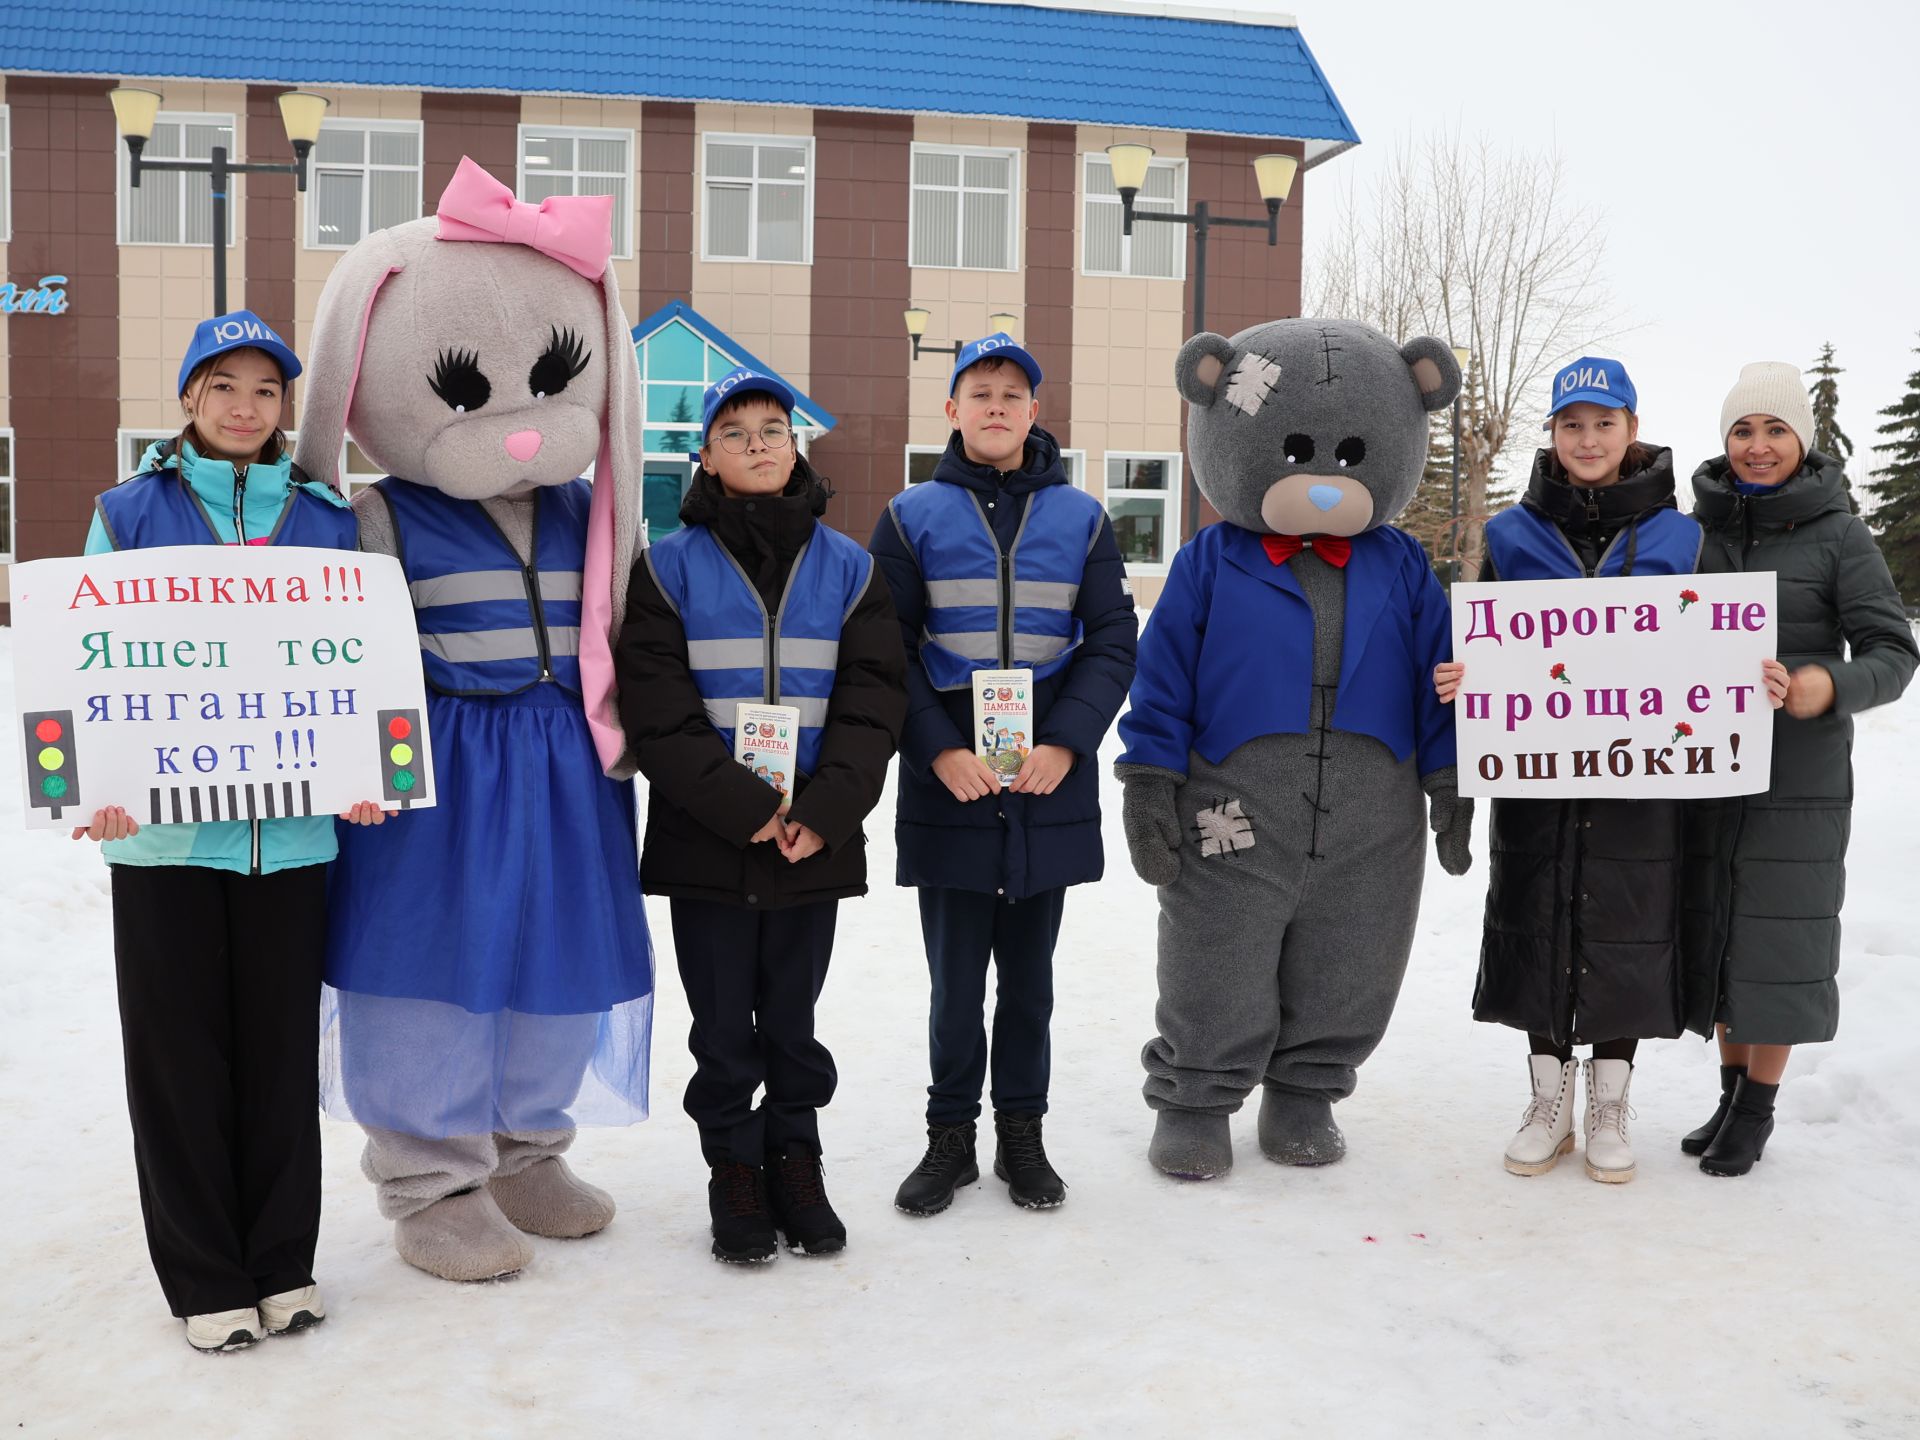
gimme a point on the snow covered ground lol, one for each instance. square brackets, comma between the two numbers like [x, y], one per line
[1415, 1288]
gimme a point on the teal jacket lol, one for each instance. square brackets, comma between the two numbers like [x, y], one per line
[257, 847]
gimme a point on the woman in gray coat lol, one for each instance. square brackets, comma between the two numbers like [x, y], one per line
[1766, 873]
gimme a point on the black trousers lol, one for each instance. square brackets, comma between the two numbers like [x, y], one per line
[752, 977]
[219, 978]
[963, 930]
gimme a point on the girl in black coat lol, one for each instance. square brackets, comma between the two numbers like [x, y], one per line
[1582, 935]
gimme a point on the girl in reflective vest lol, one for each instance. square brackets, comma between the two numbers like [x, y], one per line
[220, 927]
[1602, 967]
[756, 602]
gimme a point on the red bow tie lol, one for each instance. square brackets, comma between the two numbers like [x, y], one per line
[1334, 549]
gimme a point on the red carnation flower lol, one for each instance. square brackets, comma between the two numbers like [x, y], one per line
[1683, 728]
[1688, 597]
[1559, 672]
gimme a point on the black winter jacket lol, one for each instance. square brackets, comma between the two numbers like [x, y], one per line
[1012, 845]
[703, 807]
[1766, 873]
[1582, 934]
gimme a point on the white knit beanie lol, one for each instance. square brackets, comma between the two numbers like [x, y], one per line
[1770, 387]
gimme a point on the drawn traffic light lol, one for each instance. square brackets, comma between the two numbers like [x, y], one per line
[53, 774]
[403, 772]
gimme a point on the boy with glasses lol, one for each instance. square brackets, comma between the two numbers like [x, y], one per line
[756, 603]
[998, 563]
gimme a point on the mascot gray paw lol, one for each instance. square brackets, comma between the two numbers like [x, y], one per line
[1151, 823]
[1298, 1129]
[1191, 1145]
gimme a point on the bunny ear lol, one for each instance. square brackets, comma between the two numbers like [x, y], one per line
[613, 535]
[334, 353]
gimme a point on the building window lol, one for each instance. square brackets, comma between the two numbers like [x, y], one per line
[6, 497]
[559, 160]
[964, 208]
[1156, 251]
[758, 197]
[6, 174]
[1074, 462]
[922, 461]
[356, 470]
[365, 177]
[174, 209]
[1143, 498]
[133, 448]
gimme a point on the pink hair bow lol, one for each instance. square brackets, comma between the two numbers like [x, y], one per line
[576, 230]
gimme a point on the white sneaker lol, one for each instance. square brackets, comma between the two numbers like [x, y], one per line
[1546, 1130]
[1609, 1155]
[292, 1310]
[224, 1329]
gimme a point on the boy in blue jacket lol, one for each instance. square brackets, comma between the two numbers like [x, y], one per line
[999, 563]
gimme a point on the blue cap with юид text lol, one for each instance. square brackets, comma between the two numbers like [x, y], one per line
[239, 330]
[999, 344]
[1594, 381]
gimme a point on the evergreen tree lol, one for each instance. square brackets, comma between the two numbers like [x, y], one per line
[1828, 437]
[1895, 487]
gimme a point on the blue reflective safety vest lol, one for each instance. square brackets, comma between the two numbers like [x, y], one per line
[490, 624]
[988, 611]
[159, 508]
[741, 655]
[1525, 545]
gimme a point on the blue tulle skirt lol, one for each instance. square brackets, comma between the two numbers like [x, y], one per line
[488, 963]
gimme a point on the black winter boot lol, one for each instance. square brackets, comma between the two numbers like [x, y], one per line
[797, 1196]
[1695, 1142]
[948, 1164]
[742, 1228]
[1021, 1160]
[1738, 1146]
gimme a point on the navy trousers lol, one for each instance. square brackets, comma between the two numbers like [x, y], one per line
[963, 930]
[752, 977]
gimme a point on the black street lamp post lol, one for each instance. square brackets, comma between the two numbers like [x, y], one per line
[1274, 174]
[134, 111]
[1460, 355]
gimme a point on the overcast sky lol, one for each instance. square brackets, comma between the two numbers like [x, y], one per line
[1754, 164]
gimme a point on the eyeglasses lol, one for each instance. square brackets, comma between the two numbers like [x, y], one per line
[775, 435]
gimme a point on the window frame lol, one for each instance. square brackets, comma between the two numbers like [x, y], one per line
[784, 142]
[906, 462]
[1013, 192]
[130, 453]
[1171, 495]
[6, 178]
[352, 482]
[1176, 163]
[123, 180]
[625, 226]
[9, 477]
[310, 223]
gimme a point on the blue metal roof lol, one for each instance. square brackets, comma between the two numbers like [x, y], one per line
[810, 412]
[942, 56]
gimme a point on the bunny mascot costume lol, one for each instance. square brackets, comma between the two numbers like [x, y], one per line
[489, 973]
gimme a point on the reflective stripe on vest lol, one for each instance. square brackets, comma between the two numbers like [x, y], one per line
[490, 625]
[160, 508]
[989, 611]
[1525, 545]
[740, 655]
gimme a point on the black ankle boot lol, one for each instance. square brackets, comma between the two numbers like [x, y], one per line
[1695, 1142]
[797, 1196]
[948, 1164]
[1021, 1160]
[742, 1227]
[1742, 1139]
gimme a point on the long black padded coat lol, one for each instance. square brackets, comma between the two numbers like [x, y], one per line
[1766, 873]
[1582, 934]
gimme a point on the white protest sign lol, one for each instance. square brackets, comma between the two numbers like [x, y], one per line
[1640, 687]
[217, 682]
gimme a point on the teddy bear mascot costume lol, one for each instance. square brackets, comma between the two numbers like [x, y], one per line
[489, 972]
[1283, 728]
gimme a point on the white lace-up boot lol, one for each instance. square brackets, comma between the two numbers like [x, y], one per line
[1609, 1155]
[1546, 1130]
